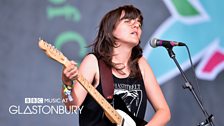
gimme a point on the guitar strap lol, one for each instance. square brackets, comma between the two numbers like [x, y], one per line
[107, 81]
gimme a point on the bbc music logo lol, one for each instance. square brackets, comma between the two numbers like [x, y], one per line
[44, 106]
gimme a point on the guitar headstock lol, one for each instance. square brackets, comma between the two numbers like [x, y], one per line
[52, 52]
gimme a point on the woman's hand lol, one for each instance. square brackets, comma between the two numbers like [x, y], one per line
[69, 73]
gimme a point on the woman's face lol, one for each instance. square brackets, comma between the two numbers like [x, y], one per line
[128, 31]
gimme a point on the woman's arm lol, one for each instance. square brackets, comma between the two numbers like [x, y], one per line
[89, 70]
[155, 96]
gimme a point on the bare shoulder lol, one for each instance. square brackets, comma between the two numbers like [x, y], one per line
[143, 63]
[89, 65]
[89, 68]
[144, 66]
[89, 61]
[90, 58]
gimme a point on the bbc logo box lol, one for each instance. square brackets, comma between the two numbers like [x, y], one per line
[34, 100]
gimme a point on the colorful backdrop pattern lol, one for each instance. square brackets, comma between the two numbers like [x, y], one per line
[70, 25]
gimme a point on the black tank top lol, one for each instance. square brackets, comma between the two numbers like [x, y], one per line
[131, 90]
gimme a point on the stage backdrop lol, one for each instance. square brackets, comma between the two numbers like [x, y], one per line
[30, 82]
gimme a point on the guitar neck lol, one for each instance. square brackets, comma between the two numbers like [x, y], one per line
[55, 54]
[111, 113]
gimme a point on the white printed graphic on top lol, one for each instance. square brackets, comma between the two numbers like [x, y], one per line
[131, 95]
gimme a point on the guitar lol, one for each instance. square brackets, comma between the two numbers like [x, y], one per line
[121, 116]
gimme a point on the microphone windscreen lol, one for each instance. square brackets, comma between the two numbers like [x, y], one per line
[153, 42]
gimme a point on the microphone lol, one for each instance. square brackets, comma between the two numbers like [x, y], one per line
[165, 43]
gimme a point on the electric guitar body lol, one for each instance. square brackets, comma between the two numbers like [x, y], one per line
[128, 117]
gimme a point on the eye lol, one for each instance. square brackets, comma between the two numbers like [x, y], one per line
[140, 25]
[127, 20]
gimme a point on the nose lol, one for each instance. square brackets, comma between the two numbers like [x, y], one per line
[135, 23]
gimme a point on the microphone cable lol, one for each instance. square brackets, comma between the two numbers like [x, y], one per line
[196, 83]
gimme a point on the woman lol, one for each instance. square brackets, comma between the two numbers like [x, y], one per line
[118, 45]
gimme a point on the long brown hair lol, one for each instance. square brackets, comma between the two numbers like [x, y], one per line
[105, 41]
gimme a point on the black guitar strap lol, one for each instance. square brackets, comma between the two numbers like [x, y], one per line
[107, 81]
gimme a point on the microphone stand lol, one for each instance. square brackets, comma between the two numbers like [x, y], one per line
[188, 85]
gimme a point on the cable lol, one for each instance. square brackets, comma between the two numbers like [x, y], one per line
[194, 73]
[197, 85]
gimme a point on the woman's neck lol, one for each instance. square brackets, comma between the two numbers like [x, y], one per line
[121, 55]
